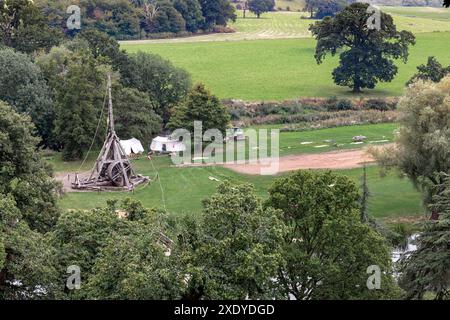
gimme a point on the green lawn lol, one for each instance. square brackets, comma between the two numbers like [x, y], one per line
[281, 69]
[185, 188]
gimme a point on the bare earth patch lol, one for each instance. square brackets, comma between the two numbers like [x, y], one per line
[348, 159]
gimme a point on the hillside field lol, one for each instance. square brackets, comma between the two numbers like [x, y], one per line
[282, 68]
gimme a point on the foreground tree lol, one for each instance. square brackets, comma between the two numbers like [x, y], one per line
[327, 248]
[119, 252]
[26, 258]
[259, 7]
[237, 256]
[27, 210]
[423, 142]
[24, 176]
[427, 268]
[200, 105]
[432, 71]
[368, 54]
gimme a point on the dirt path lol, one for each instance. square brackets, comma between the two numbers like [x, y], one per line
[348, 159]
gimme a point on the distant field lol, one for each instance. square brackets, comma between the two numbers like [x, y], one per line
[287, 25]
[283, 68]
[294, 5]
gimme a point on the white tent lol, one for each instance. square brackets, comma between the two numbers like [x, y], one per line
[166, 144]
[132, 146]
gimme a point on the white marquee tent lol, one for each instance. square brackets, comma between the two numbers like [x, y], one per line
[132, 146]
[166, 144]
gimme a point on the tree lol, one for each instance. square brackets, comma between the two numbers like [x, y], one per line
[23, 27]
[327, 248]
[369, 53]
[311, 6]
[446, 3]
[217, 12]
[134, 115]
[165, 84]
[432, 71]
[26, 258]
[423, 142]
[78, 83]
[329, 8]
[237, 256]
[426, 269]
[191, 12]
[259, 7]
[118, 251]
[24, 176]
[22, 85]
[200, 105]
[166, 19]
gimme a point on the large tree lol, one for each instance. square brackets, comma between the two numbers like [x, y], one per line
[119, 251]
[235, 251]
[24, 176]
[259, 7]
[200, 105]
[366, 54]
[327, 248]
[423, 143]
[78, 81]
[427, 268]
[22, 85]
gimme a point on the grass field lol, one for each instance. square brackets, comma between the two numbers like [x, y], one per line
[185, 188]
[281, 69]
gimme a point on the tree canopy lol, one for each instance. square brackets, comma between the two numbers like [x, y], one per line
[327, 248]
[433, 71]
[259, 7]
[366, 54]
[200, 105]
[423, 142]
[22, 85]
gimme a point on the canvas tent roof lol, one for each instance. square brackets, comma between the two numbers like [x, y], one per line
[166, 144]
[132, 146]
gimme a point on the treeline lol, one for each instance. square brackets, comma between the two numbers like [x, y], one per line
[134, 19]
[61, 85]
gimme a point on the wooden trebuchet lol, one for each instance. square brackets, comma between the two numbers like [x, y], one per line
[113, 169]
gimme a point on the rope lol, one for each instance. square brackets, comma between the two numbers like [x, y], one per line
[160, 185]
[96, 131]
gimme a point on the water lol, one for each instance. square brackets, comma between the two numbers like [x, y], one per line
[408, 248]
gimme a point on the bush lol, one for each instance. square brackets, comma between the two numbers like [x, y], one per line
[334, 104]
[379, 104]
